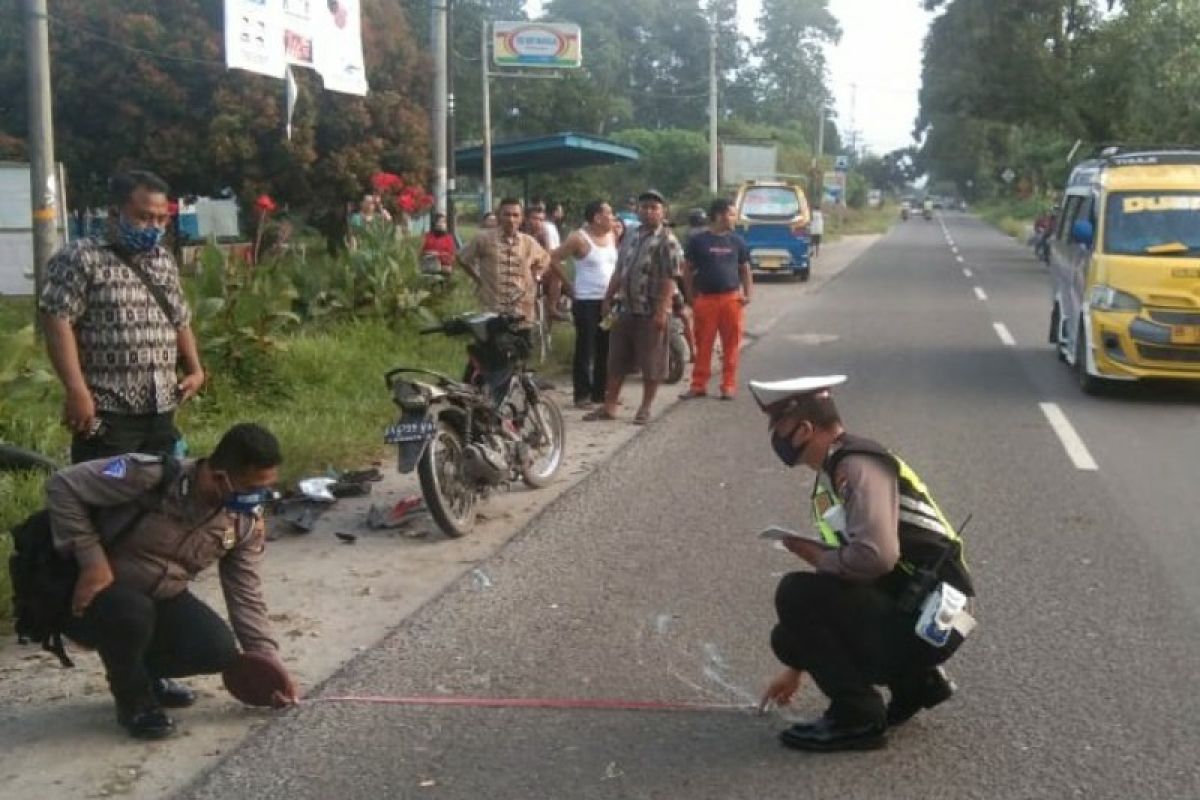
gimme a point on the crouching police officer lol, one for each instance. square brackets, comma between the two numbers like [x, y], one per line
[141, 527]
[885, 551]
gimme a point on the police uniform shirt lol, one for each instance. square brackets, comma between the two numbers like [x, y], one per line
[90, 503]
[871, 496]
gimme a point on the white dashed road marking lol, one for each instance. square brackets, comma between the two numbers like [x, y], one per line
[1005, 336]
[982, 295]
[1071, 442]
[967, 272]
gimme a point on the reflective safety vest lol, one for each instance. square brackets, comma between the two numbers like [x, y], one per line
[924, 532]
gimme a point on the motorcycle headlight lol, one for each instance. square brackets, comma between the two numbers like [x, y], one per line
[409, 397]
[1106, 298]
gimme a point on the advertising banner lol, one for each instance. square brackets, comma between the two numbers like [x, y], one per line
[536, 44]
[254, 37]
[265, 36]
[835, 188]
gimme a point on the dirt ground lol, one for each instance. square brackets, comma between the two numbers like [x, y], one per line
[329, 600]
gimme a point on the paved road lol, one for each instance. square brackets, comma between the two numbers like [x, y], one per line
[646, 582]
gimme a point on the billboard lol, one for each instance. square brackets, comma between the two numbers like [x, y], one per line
[746, 162]
[835, 189]
[536, 44]
[265, 36]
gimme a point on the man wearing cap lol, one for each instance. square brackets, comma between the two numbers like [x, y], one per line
[884, 548]
[141, 528]
[647, 265]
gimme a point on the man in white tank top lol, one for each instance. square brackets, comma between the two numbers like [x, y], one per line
[594, 252]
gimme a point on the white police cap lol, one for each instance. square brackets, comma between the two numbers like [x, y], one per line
[768, 393]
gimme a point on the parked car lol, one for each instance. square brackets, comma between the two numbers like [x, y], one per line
[773, 218]
[1125, 259]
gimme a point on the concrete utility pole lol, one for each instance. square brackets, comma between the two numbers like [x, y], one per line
[485, 77]
[44, 191]
[439, 46]
[713, 160]
[451, 166]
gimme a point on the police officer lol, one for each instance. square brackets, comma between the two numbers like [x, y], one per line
[141, 528]
[884, 548]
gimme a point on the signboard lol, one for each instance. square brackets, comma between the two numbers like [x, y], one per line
[841, 163]
[536, 44]
[745, 162]
[835, 188]
[265, 36]
[1008, 175]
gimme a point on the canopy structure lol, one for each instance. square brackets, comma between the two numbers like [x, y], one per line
[559, 151]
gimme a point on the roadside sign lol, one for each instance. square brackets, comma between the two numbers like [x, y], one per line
[834, 190]
[536, 44]
[842, 163]
[1008, 175]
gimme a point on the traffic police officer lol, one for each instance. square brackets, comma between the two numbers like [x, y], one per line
[141, 527]
[885, 546]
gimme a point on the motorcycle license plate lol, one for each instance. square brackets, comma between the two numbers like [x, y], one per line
[403, 432]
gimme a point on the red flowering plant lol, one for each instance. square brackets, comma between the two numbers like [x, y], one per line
[264, 206]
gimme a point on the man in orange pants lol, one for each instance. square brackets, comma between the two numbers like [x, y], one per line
[716, 276]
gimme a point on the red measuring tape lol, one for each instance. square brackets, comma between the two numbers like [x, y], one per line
[601, 704]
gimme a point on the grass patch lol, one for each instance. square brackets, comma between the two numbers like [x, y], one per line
[858, 221]
[1013, 217]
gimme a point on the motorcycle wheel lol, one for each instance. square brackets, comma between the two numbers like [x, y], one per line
[677, 354]
[451, 499]
[548, 456]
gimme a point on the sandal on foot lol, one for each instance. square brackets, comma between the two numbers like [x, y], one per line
[599, 415]
[641, 418]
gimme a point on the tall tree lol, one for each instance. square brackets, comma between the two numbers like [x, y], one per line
[144, 83]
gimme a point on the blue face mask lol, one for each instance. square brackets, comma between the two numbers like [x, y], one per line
[249, 501]
[136, 239]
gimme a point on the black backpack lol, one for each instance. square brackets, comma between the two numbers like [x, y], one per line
[43, 581]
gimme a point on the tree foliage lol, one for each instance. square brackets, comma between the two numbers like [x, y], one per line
[143, 83]
[1012, 84]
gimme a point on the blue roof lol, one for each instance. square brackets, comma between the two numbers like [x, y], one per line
[558, 151]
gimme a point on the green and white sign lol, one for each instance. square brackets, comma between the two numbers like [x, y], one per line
[536, 44]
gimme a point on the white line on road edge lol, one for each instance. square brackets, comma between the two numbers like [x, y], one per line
[1004, 334]
[960, 259]
[954, 248]
[1071, 442]
[982, 295]
[967, 272]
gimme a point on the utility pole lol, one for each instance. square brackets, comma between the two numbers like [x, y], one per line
[440, 48]
[713, 160]
[451, 167]
[487, 117]
[44, 191]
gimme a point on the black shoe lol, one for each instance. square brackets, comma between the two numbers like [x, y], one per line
[170, 694]
[826, 735]
[930, 689]
[151, 723]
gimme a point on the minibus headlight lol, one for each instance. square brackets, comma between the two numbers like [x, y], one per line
[1106, 298]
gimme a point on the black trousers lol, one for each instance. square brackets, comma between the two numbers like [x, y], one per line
[590, 366]
[127, 433]
[850, 637]
[140, 639]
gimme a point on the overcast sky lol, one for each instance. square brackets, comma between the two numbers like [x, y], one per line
[880, 51]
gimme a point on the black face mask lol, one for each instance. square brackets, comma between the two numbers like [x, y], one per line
[788, 453]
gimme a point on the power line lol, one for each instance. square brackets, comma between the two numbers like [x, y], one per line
[60, 23]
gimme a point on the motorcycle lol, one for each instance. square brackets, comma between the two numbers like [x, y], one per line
[468, 439]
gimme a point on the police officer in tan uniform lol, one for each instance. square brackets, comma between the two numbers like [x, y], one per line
[139, 541]
[884, 552]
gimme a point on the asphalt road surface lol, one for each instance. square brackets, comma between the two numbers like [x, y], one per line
[647, 582]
